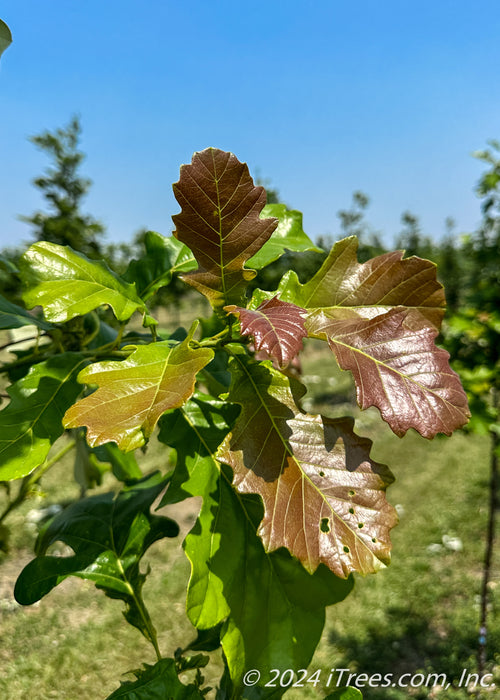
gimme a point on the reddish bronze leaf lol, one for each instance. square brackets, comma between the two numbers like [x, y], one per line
[346, 287]
[324, 497]
[277, 328]
[133, 393]
[220, 222]
[398, 369]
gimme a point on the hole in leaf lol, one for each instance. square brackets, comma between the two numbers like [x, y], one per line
[361, 525]
[346, 549]
[374, 539]
[352, 493]
[322, 473]
[325, 525]
[351, 510]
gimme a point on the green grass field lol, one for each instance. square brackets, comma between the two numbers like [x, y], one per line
[420, 615]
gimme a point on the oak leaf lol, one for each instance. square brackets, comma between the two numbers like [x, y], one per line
[230, 567]
[398, 368]
[324, 497]
[68, 284]
[289, 235]
[220, 223]
[277, 328]
[381, 318]
[133, 393]
[14, 316]
[163, 257]
[348, 288]
[32, 421]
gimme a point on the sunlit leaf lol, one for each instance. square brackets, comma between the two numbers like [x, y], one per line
[5, 37]
[108, 534]
[67, 284]
[397, 368]
[289, 235]
[220, 223]
[155, 683]
[381, 318]
[277, 328]
[164, 257]
[32, 421]
[133, 393]
[233, 577]
[324, 497]
[346, 287]
[14, 316]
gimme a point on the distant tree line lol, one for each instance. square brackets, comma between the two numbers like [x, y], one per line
[468, 265]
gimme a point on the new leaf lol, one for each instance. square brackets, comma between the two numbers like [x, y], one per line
[220, 222]
[133, 394]
[345, 288]
[277, 328]
[381, 318]
[324, 497]
[398, 368]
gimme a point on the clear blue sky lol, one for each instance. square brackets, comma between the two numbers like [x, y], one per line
[321, 97]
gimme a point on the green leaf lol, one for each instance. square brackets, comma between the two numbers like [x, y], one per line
[220, 223]
[32, 421]
[158, 682]
[133, 393]
[289, 235]
[324, 497]
[233, 577]
[14, 316]
[5, 37]
[216, 376]
[109, 534]
[397, 368]
[164, 257]
[123, 465]
[346, 693]
[345, 288]
[87, 470]
[67, 284]
[277, 328]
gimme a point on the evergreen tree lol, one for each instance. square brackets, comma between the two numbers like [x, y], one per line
[411, 238]
[63, 188]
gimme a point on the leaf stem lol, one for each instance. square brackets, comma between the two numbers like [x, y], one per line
[118, 339]
[143, 611]
[214, 341]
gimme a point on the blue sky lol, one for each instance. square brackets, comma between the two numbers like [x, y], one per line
[321, 98]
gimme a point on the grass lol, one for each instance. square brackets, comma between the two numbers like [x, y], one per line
[418, 615]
